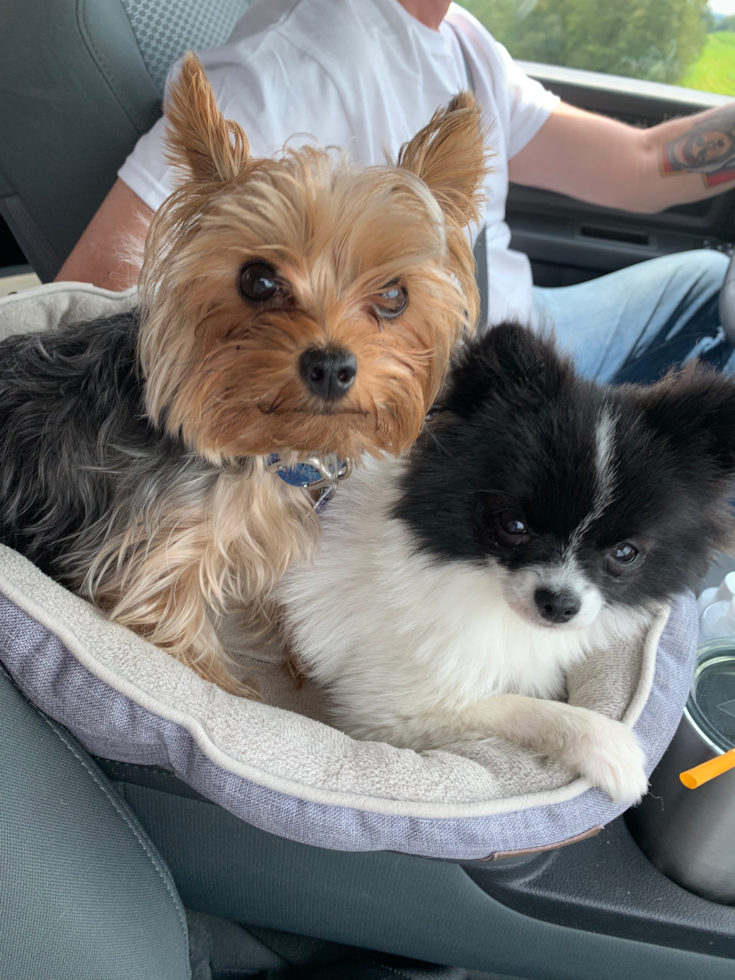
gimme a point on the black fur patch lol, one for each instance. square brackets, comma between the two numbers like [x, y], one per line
[78, 456]
[515, 438]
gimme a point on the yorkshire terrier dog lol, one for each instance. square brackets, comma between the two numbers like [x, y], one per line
[290, 308]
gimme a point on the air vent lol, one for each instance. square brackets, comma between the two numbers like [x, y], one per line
[615, 235]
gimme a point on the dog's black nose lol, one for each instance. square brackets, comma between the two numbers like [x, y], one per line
[557, 607]
[328, 373]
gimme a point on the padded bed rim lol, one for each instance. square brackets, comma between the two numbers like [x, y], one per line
[329, 818]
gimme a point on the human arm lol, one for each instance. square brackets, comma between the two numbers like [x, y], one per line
[607, 162]
[110, 252]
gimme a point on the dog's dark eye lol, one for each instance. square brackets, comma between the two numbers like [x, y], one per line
[259, 282]
[624, 554]
[391, 300]
[512, 528]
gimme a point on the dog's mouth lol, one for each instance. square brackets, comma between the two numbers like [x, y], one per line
[527, 611]
[547, 613]
[325, 410]
[545, 625]
[558, 597]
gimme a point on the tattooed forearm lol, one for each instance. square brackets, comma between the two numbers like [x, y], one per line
[707, 147]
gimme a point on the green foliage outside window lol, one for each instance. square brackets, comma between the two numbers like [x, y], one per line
[658, 40]
[724, 24]
[714, 70]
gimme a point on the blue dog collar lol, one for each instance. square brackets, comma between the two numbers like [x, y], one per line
[313, 474]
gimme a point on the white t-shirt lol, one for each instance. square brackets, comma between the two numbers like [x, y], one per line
[365, 75]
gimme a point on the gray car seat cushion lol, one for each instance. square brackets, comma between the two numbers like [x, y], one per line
[80, 82]
[85, 895]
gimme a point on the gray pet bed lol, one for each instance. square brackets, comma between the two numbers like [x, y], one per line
[277, 765]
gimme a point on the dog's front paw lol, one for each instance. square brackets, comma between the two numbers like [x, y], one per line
[609, 756]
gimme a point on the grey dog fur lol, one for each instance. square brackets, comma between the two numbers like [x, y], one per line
[79, 459]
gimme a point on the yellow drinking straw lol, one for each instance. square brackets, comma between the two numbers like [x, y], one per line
[708, 770]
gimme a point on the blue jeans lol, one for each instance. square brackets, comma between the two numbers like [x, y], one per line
[633, 324]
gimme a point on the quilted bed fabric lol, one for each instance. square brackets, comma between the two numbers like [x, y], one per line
[277, 764]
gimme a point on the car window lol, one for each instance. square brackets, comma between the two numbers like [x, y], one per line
[679, 42]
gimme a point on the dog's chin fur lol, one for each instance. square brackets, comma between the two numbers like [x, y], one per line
[455, 589]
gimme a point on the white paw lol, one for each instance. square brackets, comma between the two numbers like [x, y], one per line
[609, 756]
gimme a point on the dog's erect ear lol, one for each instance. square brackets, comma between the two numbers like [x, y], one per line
[450, 155]
[694, 410]
[504, 362]
[200, 142]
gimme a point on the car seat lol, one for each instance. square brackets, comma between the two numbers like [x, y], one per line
[81, 80]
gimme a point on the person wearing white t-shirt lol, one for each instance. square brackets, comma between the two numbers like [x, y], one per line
[365, 75]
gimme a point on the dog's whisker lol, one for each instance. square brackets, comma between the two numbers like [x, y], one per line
[431, 434]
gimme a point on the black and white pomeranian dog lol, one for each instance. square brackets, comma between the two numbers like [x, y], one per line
[540, 516]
